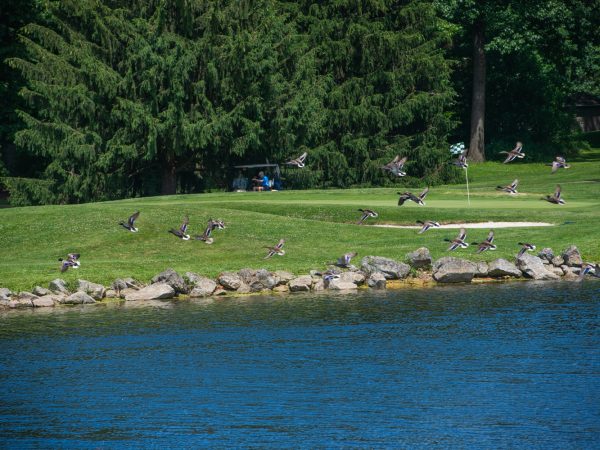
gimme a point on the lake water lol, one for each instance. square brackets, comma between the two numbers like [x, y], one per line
[487, 366]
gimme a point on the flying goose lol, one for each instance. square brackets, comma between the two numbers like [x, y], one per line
[418, 199]
[277, 250]
[181, 232]
[461, 162]
[559, 163]
[395, 166]
[299, 161]
[130, 222]
[459, 241]
[205, 237]
[366, 213]
[427, 225]
[487, 244]
[525, 248]
[555, 198]
[72, 260]
[344, 260]
[514, 153]
[588, 268]
[509, 189]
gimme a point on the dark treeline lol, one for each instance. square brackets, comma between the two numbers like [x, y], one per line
[108, 99]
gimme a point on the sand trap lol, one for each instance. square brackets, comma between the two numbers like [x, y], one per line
[475, 225]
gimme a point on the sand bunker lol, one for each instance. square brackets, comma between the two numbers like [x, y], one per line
[476, 225]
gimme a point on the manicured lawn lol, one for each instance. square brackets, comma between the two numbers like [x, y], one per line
[318, 226]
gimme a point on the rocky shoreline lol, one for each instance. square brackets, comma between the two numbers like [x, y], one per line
[374, 272]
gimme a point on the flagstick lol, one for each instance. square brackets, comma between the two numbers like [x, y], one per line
[468, 192]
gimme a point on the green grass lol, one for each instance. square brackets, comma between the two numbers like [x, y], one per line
[318, 226]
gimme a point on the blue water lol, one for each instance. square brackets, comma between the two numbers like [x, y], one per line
[486, 366]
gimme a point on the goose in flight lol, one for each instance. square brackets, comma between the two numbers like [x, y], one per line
[461, 162]
[525, 247]
[555, 198]
[514, 153]
[130, 224]
[458, 241]
[427, 225]
[509, 189]
[299, 161]
[72, 260]
[366, 213]
[395, 166]
[277, 250]
[559, 163]
[487, 244]
[418, 199]
[181, 232]
[344, 260]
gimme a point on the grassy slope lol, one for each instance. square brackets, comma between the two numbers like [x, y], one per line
[317, 225]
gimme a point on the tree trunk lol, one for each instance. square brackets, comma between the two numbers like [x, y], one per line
[476, 150]
[169, 180]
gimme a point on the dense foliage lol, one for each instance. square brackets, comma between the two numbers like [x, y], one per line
[129, 98]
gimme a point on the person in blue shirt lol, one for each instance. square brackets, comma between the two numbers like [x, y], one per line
[261, 182]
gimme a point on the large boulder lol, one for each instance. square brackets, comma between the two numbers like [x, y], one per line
[59, 286]
[5, 293]
[19, 302]
[454, 270]
[557, 261]
[391, 270]
[257, 280]
[173, 279]
[546, 254]
[500, 268]
[26, 296]
[356, 277]
[283, 276]
[203, 287]
[301, 283]
[572, 257]
[94, 290]
[41, 291]
[78, 298]
[420, 258]
[46, 301]
[533, 267]
[121, 284]
[482, 269]
[376, 281]
[230, 281]
[338, 284]
[155, 291]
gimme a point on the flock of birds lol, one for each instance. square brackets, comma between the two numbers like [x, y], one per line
[396, 168]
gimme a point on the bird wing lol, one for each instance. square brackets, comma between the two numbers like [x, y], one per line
[73, 256]
[557, 192]
[509, 158]
[177, 233]
[555, 166]
[302, 157]
[453, 246]
[402, 199]
[184, 225]
[462, 234]
[423, 194]
[514, 184]
[518, 147]
[280, 244]
[133, 218]
[490, 237]
[560, 160]
[401, 162]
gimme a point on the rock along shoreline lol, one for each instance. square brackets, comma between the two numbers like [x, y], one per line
[374, 272]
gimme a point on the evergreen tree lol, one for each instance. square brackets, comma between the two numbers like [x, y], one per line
[387, 88]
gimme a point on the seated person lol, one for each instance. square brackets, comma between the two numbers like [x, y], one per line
[261, 182]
